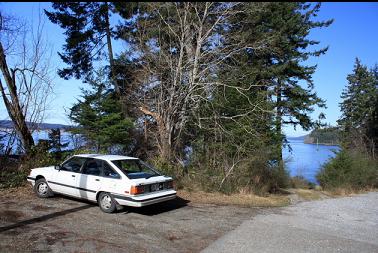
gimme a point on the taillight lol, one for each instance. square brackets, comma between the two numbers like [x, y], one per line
[139, 189]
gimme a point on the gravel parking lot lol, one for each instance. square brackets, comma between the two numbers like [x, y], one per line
[61, 224]
[347, 224]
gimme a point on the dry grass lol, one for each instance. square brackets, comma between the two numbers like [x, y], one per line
[306, 194]
[238, 199]
[342, 192]
[241, 199]
[246, 200]
[20, 191]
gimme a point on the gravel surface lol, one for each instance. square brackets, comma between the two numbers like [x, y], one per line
[348, 224]
[61, 224]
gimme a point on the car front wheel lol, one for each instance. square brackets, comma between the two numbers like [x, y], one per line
[42, 189]
[107, 202]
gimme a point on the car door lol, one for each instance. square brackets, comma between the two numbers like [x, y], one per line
[64, 180]
[111, 180]
[89, 180]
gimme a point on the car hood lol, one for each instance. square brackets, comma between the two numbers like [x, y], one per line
[49, 168]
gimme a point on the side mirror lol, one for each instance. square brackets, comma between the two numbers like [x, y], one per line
[57, 167]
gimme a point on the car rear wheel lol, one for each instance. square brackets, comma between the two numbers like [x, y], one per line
[42, 189]
[106, 202]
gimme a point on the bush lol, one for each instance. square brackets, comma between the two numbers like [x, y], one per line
[10, 173]
[252, 176]
[349, 169]
[300, 182]
[13, 178]
[13, 172]
[165, 167]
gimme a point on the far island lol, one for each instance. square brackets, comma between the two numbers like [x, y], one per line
[324, 136]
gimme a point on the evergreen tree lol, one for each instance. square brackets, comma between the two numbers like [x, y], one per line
[54, 141]
[292, 23]
[272, 67]
[359, 109]
[88, 36]
[100, 118]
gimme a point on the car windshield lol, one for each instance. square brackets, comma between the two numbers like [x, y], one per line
[134, 169]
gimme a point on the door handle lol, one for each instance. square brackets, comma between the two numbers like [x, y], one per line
[73, 176]
[97, 179]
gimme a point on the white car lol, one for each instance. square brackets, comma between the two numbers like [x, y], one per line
[109, 180]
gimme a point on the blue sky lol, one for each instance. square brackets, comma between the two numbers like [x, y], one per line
[354, 33]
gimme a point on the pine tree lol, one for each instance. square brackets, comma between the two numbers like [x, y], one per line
[54, 140]
[274, 62]
[89, 36]
[100, 118]
[359, 109]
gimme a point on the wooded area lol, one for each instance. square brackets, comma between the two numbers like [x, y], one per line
[203, 90]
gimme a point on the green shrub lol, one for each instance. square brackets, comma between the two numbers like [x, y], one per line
[349, 169]
[165, 167]
[14, 178]
[13, 173]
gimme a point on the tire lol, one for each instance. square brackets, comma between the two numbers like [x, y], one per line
[42, 189]
[106, 202]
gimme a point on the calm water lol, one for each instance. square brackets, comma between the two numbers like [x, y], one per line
[306, 159]
[66, 137]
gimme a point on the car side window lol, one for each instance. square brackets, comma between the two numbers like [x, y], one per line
[109, 172]
[74, 164]
[93, 167]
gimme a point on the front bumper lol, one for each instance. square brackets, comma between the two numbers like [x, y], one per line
[139, 201]
[31, 180]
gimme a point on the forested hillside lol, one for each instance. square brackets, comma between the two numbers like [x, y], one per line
[327, 136]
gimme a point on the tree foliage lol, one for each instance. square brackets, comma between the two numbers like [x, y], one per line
[88, 36]
[359, 108]
[85, 29]
[100, 118]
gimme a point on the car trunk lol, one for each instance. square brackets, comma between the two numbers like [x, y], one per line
[154, 184]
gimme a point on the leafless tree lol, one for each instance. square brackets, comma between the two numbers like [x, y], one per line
[26, 81]
[182, 48]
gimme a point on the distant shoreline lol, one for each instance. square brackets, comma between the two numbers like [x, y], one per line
[8, 124]
[324, 144]
[304, 141]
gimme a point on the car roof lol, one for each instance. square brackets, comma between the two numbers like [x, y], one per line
[107, 157]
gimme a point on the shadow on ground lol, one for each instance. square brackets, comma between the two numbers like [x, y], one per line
[147, 210]
[158, 208]
[44, 217]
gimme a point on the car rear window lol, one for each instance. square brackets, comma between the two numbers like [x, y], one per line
[134, 169]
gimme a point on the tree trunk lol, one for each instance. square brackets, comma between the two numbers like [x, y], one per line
[110, 50]
[13, 104]
[279, 119]
[164, 137]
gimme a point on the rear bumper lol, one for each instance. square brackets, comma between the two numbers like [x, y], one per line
[144, 200]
